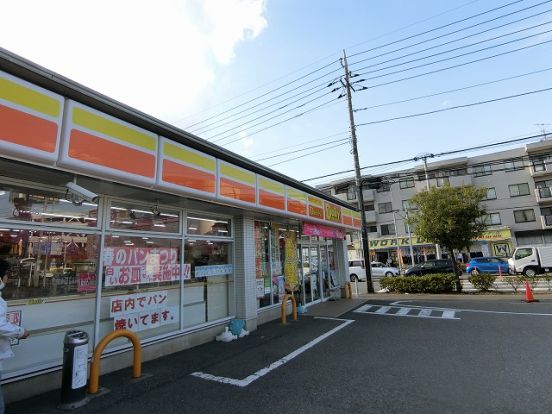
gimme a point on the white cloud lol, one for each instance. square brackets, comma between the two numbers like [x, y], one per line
[156, 56]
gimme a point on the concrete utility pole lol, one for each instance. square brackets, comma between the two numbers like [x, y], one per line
[358, 181]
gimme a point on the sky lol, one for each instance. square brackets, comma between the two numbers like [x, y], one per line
[253, 75]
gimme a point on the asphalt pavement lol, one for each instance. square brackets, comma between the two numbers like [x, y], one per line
[395, 354]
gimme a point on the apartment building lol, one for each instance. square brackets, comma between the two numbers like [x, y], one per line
[518, 202]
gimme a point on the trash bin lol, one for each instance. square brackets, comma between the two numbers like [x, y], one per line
[74, 373]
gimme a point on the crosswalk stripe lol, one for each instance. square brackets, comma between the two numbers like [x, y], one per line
[383, 309]
[403, 311]
[427, 313]
[449, 314]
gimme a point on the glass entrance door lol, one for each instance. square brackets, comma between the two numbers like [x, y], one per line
[325, 272]
[310, 257]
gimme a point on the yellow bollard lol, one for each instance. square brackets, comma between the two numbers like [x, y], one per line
[293, 306]
[95, 365]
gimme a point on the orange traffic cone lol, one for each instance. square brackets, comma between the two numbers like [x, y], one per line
[529, 293]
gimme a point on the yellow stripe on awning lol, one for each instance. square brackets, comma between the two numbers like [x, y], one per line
[113, 129]
[297, 195]
[29, 98]
[272, 186]
[315, 201]
[190, 157]
[237, 174]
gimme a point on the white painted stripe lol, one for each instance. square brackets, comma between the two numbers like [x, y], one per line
[476, 310]
[263, 371]
[403, 311]
[383, 309]
[363, 308]
[448, 314]
[425, 312]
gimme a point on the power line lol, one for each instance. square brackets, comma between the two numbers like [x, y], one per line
[298, 145]
[302, 149]
[449, 58]
[458, 31]
[436, 28]
[453, 66]
[325, 104]
[330, 55]
[315, 152]
[454, 90]
[317, 70]
[233, 119]
[395, 72]
[381, 121]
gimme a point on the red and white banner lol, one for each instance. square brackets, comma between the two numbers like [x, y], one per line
[323, 231]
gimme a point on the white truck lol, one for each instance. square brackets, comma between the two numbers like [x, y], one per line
[531, 260]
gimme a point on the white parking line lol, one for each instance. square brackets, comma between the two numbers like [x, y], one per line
[263, 371]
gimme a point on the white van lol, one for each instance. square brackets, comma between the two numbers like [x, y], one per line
[531, 260]
[357, 271]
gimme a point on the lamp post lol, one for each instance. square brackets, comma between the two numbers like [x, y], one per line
[396, 236]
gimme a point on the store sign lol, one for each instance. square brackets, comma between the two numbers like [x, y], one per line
[14, 317]
[502, 234]
[333, 212]
[401, 241]
[142, 311]
[322, 231]
[86, 282]
[135, 265]
[214, 270]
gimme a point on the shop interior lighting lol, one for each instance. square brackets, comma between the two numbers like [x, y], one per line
[193, 228]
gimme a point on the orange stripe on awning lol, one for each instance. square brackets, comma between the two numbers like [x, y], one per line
[272, 200]
[99, 151]
[348, 220]
[188, 177]
[356, 223]
[297, 207]
[27, 130]
[238, 191]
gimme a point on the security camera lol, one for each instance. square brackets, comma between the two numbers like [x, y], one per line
[81, 192]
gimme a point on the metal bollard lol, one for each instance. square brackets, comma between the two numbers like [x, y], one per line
[75, 370]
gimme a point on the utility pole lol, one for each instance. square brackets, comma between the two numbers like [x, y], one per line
[397, 239]
[360, 197]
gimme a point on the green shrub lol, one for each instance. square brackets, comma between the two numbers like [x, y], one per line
[482, 282]
[438, 283]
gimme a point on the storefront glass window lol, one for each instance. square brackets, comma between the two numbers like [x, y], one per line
[129, 216]
[38, 206]
[262, 263]
[209, 281]
[141, 285]
[199, 225]
[51, 288]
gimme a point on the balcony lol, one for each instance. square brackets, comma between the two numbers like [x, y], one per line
[543, 194]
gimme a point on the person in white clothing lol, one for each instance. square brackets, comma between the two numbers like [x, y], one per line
[7, 330]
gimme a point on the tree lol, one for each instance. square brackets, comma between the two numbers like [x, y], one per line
[451, 217]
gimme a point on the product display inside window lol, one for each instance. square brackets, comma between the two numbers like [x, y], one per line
[199, 225]
[46, 263]
[153, 218]
[208, 287]
[38, 206]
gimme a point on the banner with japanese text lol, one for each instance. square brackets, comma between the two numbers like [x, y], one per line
[15, 318]
[135, 265]
[142, 311]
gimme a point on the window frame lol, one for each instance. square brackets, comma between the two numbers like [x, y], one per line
[524, 211]
[517, 186]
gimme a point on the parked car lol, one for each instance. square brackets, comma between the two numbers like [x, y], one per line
[431, 266]
[357, 270]
[491, 264]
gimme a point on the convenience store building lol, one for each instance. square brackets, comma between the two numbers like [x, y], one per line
[178, 236]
